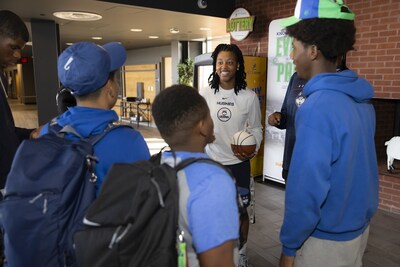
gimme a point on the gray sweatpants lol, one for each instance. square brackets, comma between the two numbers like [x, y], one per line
[317, 252]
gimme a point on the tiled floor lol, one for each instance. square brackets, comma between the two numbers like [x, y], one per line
[383, 248]
[264, 248]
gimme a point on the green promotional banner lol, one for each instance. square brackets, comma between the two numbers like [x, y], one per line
[280, 70]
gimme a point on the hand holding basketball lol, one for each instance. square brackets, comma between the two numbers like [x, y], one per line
[243, 145]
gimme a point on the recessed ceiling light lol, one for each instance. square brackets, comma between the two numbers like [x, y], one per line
[153, 37]
[199, 40]
[136, 30]
[174, 30]
[69, 43]
[77, 15]
[97, 37]
[205, 29]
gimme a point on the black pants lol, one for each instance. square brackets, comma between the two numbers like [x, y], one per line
[241, 172]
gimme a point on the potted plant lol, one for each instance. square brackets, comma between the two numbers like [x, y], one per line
[185, 72]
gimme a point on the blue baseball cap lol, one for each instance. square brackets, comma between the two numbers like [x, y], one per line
[84, 67]
[324, 9]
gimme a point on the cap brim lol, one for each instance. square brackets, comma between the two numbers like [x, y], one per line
[289, 21]
[117, 54]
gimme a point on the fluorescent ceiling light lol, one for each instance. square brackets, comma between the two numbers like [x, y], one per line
[136, 30]
[153, 37]
[174, 30]
[29, 43]
[77, 15]
[97, 37]
[199, 40]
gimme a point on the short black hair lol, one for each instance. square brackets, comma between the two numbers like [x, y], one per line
[178, 108]
[333, 37]
[12, 26]
[240, 77]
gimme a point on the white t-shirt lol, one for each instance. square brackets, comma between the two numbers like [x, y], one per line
[232, 113]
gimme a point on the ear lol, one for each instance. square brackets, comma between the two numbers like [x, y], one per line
[108, 88]
[313, 52]
[205, 129]
[201, 128]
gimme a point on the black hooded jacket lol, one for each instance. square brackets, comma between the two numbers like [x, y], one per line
[10, 136]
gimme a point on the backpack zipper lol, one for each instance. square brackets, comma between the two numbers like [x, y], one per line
[33, 200]
[160, 198]
[116, 238]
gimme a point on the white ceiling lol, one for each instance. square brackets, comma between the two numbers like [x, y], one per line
[117, 21]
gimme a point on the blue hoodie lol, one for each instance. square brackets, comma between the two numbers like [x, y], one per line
[332, 189]
[123, 145]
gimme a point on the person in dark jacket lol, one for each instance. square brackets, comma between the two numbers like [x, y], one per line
[285, 118]
[13, 36]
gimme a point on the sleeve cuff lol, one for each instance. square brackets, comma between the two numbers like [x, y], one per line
[289, 251]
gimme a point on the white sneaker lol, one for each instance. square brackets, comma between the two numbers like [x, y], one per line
[243, 262]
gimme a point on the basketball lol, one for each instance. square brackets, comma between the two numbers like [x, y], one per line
[243, 143]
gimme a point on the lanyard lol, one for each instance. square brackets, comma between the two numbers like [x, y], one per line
[4, 88]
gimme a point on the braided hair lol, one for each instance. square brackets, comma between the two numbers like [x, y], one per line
[240, 77]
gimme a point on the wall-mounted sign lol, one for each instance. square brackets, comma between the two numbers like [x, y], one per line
[240, 24]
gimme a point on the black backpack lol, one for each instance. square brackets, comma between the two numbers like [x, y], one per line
[134, 220]
[48, 190]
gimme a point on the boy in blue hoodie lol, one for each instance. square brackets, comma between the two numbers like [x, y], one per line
[332, 189]
[88, 71]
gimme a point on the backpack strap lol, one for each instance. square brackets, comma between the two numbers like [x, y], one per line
[96, 138]
[156, 158]
[91, 160]
[69, 129]
[55, 128]
[186, 162]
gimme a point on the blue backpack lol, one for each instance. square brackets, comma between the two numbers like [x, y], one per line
[50, 185]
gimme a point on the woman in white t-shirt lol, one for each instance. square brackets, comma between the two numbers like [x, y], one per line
[233, 108]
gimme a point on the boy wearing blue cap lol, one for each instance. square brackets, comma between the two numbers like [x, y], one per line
[332, 189]
[88, 71]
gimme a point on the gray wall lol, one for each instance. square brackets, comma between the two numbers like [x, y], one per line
[45, 37]
[148, 55]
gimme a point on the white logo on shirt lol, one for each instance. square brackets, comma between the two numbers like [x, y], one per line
[300, 99]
